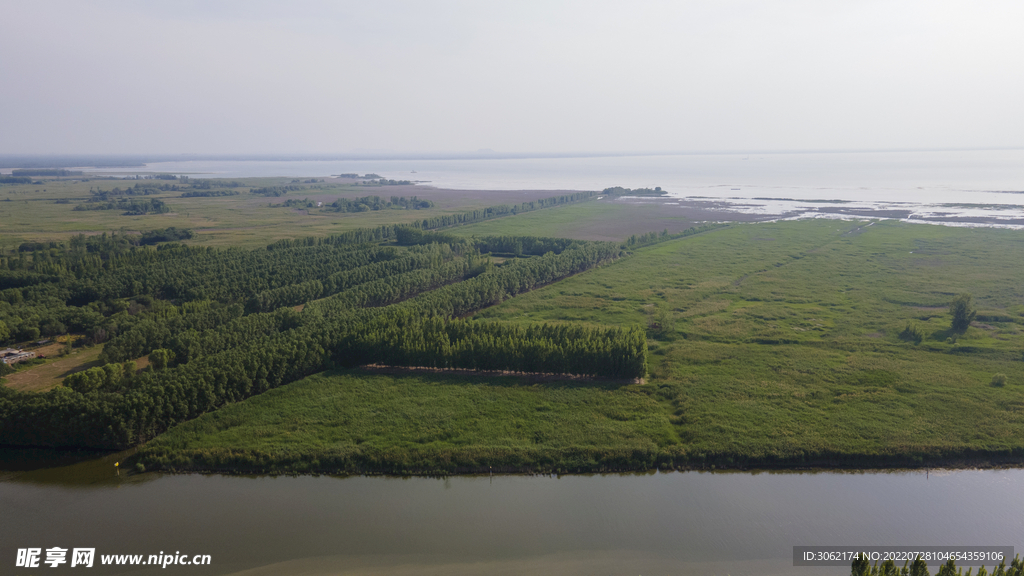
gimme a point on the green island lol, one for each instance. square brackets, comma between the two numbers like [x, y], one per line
[372, 326]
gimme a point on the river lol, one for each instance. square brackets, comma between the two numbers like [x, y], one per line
[657, 523]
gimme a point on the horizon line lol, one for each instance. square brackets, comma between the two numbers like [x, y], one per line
[8, 159]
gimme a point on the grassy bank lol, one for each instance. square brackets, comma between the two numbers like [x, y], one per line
[355, 421]
[772, 345]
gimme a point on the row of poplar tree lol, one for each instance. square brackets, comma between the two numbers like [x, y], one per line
[208, 351]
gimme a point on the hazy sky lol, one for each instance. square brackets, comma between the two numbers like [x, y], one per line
[513, 76]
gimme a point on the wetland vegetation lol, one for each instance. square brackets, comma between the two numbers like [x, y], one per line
[789, 344]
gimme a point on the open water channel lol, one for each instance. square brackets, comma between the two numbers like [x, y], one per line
[658, 523]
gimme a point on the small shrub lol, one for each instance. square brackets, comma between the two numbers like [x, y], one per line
[661, 324]
[140, 467]
[999, 380]
[912, 334]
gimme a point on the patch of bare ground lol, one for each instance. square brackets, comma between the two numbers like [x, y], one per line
[141, 364]
[530, 377]
[46, 376]
[48, 350]
[50, 375]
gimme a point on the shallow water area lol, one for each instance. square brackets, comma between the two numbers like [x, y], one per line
[975, 187]
[652, 523]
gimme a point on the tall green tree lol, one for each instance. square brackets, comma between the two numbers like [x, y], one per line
[962, 312]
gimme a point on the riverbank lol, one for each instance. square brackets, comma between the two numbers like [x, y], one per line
[238, 463]
[362, 423]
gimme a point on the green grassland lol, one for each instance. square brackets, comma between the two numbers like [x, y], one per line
[353, 421]
[604, 220]
[781, 339]
[31, 212]
[773, 344]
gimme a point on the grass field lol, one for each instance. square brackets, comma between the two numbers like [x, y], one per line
[772, 344]
[51, 373]
[355, 421]
[31, 212]
[609, 219]
[781, 339]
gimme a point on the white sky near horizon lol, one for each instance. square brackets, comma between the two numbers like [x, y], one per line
[298, 77]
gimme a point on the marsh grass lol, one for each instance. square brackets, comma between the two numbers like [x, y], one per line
[791, 348]
[358, 421]
[780, 353]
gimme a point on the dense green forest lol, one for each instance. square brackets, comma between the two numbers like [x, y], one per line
[377, 203]
[364, 204]
[218, 325]
[209, 193]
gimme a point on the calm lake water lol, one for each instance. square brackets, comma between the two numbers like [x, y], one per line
[967, 184]
[661, 523]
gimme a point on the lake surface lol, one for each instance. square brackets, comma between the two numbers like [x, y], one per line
[950, 185]
[659, 523]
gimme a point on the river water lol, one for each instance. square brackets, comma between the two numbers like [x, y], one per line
[658, 523]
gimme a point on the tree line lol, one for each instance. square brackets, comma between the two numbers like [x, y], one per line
[211, 354]
[502, 210]
[44, 172]
[131, 206]
[404, 338]
[650, 238]
[209, 193]
[368, 203]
